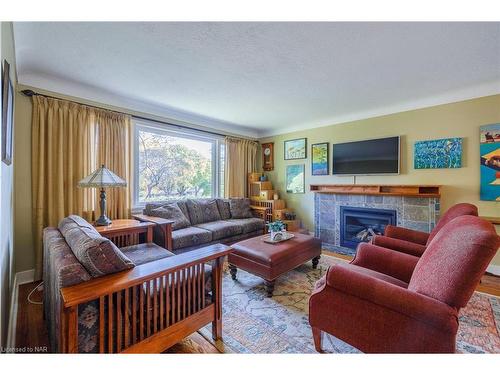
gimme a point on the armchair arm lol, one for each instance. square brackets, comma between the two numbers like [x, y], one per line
[402, 246]
[388, 296]
[163, 226]
[406, 234]
[386, 261]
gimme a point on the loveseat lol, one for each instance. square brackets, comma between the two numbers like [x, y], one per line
[185, 225]
[138, 298]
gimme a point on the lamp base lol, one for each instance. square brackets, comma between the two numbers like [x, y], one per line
[103, 220]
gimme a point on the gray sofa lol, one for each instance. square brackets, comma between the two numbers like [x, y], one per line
[209, 221]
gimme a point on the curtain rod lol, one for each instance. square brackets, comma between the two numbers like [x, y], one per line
[30, 93]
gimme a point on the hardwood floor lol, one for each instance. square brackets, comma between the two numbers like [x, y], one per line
[31, 331]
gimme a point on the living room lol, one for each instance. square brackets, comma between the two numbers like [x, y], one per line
[250, 187]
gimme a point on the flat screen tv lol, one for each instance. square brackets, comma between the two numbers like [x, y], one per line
[373, 156]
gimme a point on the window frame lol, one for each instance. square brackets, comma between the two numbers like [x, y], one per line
[179, 132]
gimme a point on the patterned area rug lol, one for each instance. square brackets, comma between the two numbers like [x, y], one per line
[253, 323]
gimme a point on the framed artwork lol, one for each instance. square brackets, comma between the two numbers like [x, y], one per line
[489, 148]
[438, 153]
[295, 178]
[319, 159]
[7, 114]
[296, 149]
[268, 156]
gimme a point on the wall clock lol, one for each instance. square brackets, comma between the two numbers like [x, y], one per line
[268, 156]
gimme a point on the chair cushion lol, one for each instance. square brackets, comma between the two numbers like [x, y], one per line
[248, 225]
[240, 208]
[190, 236]
[145, 253]
[203, 210]
[172, 212]
[224, 209]
[97, 254]
[453, 263]
[222, 229]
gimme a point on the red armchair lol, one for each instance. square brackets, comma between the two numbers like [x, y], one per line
[414, 242]
[385, 301]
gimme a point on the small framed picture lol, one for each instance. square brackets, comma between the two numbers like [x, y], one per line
[320, 164]
[295, 178]
[296, 149]
[7, 114]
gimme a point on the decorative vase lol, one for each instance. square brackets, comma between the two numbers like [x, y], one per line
[276, 197]
[263, 178]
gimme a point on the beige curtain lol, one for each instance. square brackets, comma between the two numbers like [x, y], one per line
[69, 141]
[240, 159]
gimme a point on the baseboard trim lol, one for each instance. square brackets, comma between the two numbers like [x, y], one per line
[20, 278]
[493, 269]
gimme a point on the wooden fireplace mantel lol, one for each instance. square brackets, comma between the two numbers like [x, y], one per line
[424, 191]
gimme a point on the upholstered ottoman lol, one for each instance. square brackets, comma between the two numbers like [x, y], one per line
[270, 261]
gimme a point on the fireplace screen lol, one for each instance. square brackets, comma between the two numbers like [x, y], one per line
[359, 224]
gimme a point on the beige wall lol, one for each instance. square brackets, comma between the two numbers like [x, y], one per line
[6, 200]
[460, 119]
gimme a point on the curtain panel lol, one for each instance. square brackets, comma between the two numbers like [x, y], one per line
[241, 159]
[70, 141]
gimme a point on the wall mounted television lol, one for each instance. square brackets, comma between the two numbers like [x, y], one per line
[372, 156]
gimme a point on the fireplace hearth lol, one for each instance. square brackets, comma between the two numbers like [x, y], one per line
[360, 224]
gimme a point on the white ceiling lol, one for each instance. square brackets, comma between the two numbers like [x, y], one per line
[262, 78]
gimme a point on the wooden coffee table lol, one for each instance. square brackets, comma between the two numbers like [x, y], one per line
[270, 261]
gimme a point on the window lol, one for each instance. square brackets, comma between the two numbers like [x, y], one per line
[176, 164]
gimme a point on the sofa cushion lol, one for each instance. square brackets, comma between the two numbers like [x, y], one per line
[172, 212]
[224, 208]
[151, 206]
[248, 225]
[145, 253]
[240, 208]
[190, 236]
[221, 229]
[97, 254]
[203, 210]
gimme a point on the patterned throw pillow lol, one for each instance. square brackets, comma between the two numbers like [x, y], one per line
[224, 209]
[240, 208]
[203, 211]
[172, 212]
[97, 254]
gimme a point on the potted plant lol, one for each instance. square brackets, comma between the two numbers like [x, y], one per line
[276, 230]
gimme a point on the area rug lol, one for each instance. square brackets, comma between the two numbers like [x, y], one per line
[253, 323]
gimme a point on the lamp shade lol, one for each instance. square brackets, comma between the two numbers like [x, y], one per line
[102, 177]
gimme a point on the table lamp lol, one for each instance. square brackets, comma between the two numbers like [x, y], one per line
[102, 178]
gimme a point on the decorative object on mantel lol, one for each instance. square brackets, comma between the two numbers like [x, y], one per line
[438, 153]
[7, 114]
[102, 178]
[320, 165]
[263, 177]
[295, 176]
[275, 231]
[428, 191]
[489, 148]
[268, 156]
[296, 149]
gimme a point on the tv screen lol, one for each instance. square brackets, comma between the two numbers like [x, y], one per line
[374, 156]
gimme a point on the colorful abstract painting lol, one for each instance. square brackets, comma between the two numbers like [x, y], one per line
[489, 148]
[319, 159]
[295, 178]
[438, 153]
[296, 149]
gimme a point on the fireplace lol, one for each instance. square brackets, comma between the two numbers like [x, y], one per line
[360, 224]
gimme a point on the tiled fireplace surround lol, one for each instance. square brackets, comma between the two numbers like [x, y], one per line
[414, 213]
